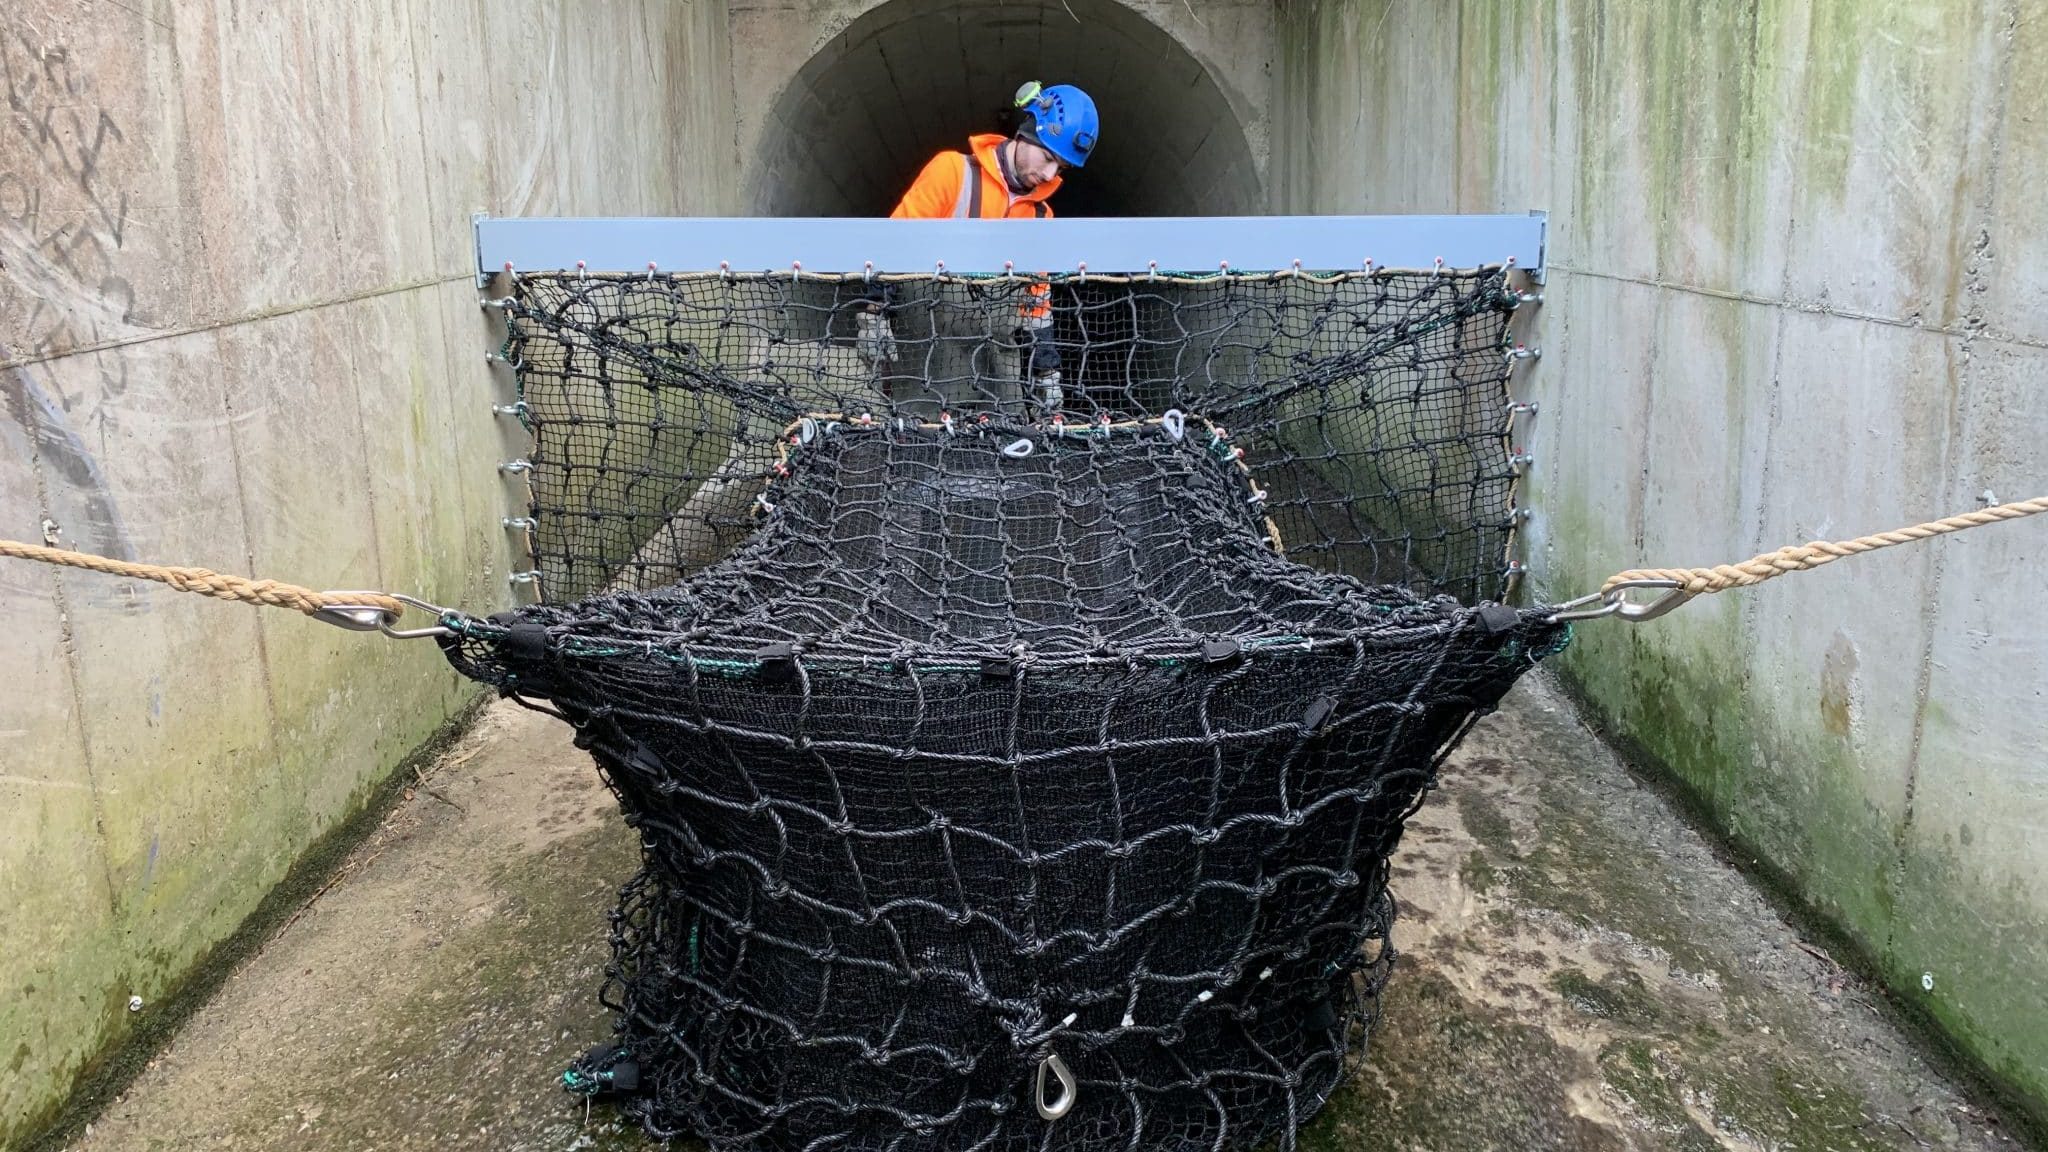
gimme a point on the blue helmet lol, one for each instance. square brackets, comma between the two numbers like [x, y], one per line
[1062, 121]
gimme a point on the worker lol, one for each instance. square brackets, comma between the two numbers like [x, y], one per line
[1010, 176]
[1015, 174]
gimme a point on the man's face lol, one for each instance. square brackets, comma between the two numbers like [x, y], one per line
[1034, 164]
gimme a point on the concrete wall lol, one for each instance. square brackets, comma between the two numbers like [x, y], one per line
[1797, 273]
[842, 101]
[238, 329]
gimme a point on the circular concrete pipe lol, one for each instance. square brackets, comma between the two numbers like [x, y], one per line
[911, 77]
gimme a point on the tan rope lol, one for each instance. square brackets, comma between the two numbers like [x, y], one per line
[1697, 581]
[205, 582]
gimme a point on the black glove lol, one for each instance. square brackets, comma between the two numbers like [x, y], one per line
[876, 296]
[1044, 357]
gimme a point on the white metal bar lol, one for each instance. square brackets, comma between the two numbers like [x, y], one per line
[992, 247]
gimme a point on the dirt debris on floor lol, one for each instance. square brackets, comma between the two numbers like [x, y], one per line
[1578, 971]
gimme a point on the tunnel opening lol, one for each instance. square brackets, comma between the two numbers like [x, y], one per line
[910, 78]
[913, 77]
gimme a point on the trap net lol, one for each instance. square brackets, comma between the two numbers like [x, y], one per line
[1372, 408]
[1003, 780]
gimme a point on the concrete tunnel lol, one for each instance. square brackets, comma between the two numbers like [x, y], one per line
[239, 331]
[855, 124]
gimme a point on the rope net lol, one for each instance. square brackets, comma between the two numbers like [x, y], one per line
[978, 735]
[1373, 409]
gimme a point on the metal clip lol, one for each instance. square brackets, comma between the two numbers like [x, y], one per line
[1522, 408]
[1615, 602]
[525, 523]
[369, 618]
[1018, 448]
[1070, 1090]
[1175, 422]
[519, 409]
[357, 617]
[1524, 352]
[516, 466]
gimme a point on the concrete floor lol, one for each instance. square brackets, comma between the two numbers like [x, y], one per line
[1578, 971]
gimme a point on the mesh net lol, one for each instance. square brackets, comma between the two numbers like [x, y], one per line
[1373, 409]
[1002, 779]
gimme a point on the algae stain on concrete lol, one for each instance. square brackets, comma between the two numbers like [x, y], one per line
[1840, 695]
[1621, 995]
[1973, 938]
[1572, 997]
[1454, 1074]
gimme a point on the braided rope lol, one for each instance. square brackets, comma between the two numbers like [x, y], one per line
[206, 582]
[1799, 558]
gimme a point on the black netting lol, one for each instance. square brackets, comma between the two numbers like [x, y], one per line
[976, 731]
[1373, 408]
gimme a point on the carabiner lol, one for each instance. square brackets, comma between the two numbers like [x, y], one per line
[1615, 602]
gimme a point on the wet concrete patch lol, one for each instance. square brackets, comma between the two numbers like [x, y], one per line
[1580, 971]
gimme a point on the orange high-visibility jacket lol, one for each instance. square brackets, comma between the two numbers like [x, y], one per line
[946, 189]
[966, 185]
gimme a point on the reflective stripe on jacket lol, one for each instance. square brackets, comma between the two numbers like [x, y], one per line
[948, 188]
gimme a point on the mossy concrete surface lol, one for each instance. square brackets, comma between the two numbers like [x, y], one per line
[1794, 280]
[1578, 971]
[239, 329]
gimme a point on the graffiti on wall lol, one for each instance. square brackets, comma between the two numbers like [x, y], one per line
[63, 227]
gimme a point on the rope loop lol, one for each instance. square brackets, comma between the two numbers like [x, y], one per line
[1682, 584]
[355, 611]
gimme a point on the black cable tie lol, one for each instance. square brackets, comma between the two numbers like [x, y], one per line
[1318, 711]
[998, 667]
[1220, 651]
[777, 661]
[1498, 618]
[527, 642]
